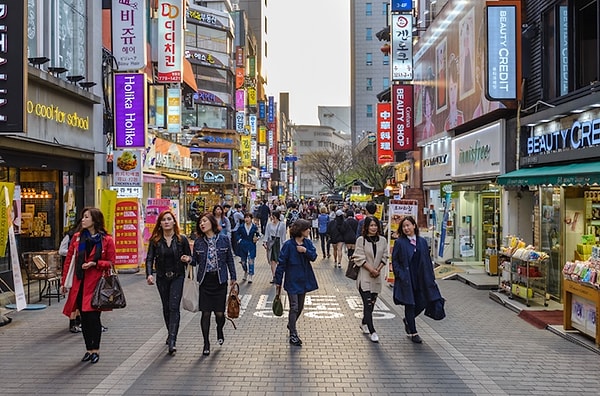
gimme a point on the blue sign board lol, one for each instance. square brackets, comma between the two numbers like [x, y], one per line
[402, 5]
[271, 110]
[290, 158]
[502, 52]
[262, 109]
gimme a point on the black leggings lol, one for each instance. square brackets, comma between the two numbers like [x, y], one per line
[91, 328]
[205, 325]
[170, 291]
[368, 300]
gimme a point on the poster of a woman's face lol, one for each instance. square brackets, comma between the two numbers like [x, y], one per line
[467, 57]
[69, 207]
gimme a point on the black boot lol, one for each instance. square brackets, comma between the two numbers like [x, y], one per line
[172, 348]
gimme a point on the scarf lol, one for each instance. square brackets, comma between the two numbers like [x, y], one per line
[85, 239]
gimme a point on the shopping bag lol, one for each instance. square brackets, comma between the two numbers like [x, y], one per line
[352, 270]
[190, 300]
[277, 306]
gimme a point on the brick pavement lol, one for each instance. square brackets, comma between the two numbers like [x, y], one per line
[480, 348]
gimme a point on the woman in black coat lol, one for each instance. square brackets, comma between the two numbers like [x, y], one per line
[168, 254]
[414, 279]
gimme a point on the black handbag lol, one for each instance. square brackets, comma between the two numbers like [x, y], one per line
[108, 293]
[352, 270]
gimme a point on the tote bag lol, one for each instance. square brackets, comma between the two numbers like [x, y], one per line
[190, 300]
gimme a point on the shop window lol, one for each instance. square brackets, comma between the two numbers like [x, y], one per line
[38, 216]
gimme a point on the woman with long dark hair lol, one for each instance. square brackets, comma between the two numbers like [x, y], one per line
[371, 255]
[214, 258]
[414, 279]
[222, 220]
[95, 253]
[168, 254]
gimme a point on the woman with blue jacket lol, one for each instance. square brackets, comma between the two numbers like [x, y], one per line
[294, 261]
[414, 279]
[323, 220]
[214, 258]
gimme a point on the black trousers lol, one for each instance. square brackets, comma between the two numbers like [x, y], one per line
[91, 327]
[171, 290]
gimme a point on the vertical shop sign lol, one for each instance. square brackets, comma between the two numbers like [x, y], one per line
[385, 153]
[126, 233]
[262, 111]
[240, 100]
[13, 73]
[239, 77]
[271, 114]
[245, 148]
[252, 122]
[129, 34]
[502, 52]
[402, 47]
[130, 110]
[252, 97]
[9, 231]
[174, 109]
[239, 57]
[563, 47]
[240, 121]
[170, 41]
[402, 113]
[262, 135]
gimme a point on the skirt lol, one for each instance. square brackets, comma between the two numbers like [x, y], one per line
[213, 295]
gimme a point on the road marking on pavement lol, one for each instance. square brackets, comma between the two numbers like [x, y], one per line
[128, 372]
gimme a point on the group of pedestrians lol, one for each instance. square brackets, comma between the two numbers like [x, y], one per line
[169, 254]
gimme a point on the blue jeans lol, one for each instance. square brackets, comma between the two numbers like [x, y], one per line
[412, 311]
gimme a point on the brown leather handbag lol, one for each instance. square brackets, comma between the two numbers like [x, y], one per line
[233, 302]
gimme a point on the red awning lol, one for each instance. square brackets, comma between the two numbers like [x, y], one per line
[188, 75]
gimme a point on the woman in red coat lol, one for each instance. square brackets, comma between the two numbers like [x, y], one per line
[94, 252]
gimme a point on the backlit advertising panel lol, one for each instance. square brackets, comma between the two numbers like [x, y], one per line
[402, 116]
[129, 109]
[402, 5]
[13, 74]
[129, 34]
[402, 47]
[170, 41]
[385, 153]
[502, 52]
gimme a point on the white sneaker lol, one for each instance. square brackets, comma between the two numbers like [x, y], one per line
[374, 337]
[364, 328]
[250, 278]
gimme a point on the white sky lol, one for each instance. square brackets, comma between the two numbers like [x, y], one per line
[309, 55]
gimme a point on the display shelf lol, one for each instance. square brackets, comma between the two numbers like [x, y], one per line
[490, 217]
[586, 291]
[524, 275]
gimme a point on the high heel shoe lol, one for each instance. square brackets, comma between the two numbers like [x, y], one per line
[220, 337]
[206, 350]
[86, 357]
[172, 348]
[94, 358]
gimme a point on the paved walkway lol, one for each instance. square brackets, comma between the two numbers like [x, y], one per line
[481, 348]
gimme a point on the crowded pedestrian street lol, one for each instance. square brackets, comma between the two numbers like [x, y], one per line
[480, 348]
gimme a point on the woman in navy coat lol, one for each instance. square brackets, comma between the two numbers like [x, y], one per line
[247, 235]
[294, 260]
[414, 284]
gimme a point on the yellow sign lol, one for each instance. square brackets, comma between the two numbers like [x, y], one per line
[245, 150]
[54, 113]
[108, 204]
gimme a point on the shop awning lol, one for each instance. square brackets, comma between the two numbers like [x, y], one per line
[176, 176]
[188, 75]
[152, 178]
[570, 174]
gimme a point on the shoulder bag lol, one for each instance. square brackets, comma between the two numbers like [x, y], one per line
[277, 306]
[108, 293]
[190, 299]
[352, 270]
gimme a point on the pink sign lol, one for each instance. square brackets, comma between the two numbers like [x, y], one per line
[126, 233]
[402, 116]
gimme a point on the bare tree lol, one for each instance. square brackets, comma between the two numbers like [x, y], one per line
[368, 170]
[326, 165]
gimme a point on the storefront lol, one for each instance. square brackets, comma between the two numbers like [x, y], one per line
[474, 213]
[559, 178]
[56, 166]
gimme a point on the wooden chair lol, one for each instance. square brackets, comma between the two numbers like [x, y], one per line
[37, 269]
